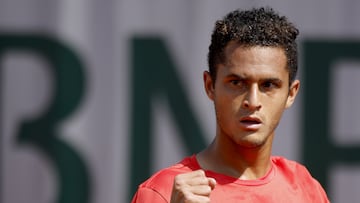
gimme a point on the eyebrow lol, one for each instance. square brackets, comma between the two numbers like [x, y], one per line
[276, 80]
[271, 79]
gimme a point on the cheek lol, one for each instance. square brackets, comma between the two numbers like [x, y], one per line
[225, 110]
[228, 104]
[275, 111]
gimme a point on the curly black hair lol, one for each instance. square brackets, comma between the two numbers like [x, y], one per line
[255, 27]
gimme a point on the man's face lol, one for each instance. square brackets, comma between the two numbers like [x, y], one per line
[250, 93]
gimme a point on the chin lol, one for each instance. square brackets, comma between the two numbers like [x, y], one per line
[251, 145]
[251, 141]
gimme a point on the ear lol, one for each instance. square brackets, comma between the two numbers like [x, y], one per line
[293, 91]
[209, 85]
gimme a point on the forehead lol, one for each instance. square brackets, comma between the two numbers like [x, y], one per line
[254, 60]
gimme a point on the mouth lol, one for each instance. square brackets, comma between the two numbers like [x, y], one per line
[250, 123]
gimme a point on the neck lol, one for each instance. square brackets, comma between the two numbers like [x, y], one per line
[226, 157]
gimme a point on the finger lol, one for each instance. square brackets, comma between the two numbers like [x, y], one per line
[201, 179]
[212, 182]
[198, 181]
[190, 196]
[193, 174]
[192, 178]
[202, 190]
[197, 199]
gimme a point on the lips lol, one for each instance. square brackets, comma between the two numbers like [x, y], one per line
[250, 123]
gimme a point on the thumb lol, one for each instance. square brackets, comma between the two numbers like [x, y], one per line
[212, 182]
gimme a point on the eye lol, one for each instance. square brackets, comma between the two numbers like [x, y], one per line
[235, 82]
[270, 84]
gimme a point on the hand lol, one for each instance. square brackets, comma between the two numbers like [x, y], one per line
[192, 187]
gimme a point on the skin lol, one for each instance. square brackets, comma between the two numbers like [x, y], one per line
[250, 94]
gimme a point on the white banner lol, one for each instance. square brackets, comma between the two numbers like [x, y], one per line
[76, 126]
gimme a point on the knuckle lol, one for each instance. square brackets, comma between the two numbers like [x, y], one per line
[188, 197]
[179, 180]
[201, 172]
[208, 189]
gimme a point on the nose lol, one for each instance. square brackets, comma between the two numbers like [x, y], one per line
[252, 100]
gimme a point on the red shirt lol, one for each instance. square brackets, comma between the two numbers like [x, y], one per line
[287, 181]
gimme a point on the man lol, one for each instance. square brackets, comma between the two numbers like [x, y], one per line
[251, 81]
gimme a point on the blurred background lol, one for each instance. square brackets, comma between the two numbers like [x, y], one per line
[96, 95]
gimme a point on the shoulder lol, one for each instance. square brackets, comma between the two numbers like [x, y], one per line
[283, 162]
[290, 168]
[297, 174]
[161, 182]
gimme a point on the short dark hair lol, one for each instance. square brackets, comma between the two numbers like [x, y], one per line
[255, 27]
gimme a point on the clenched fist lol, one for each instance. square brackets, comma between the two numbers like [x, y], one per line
[192, 187]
